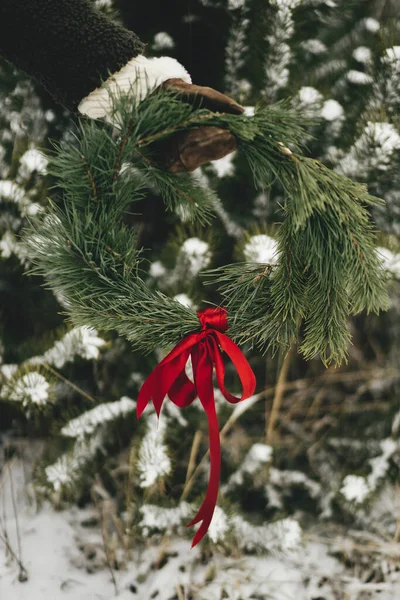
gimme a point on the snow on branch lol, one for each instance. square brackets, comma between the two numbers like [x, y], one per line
[80, 341]
[29, 389]
[236, 49]
[372, 151]
[280, 537]
[68, 469]
[279, 55]
[261, 249]
[154, 462]
[163, 519]
[90, 420]
[283, 536]
[258, 457]
[194, 256]
[356, 488]
[391, 262]
[12, 192]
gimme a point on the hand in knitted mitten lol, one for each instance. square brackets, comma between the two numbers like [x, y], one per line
[187, 150]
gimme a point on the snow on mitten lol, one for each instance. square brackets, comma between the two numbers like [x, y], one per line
[184, 150]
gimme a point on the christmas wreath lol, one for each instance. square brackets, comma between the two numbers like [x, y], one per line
[327, 265]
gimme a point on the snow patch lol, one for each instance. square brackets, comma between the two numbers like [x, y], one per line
[235, 4]
[224, 166]
[154, 462]
[314, 46]
[196, 255]
[249, 111]
[362, 54]
[291, 4]
[11, 191]
[30, 388]
[355, 488]
[157, 269]
[261, 249]
[163, 41]
[184, 299]
[309, 95]
[219, 525]
[34, 160]
[391, 262]
[358, 77]
[332, 110]
[392, 55]
[371, 24]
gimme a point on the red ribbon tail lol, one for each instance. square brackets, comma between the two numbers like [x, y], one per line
[206, 510]
[203, 377]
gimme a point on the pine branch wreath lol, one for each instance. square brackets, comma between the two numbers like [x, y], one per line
[328, 267]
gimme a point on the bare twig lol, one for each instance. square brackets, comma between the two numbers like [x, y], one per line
[179, 592]
[14, 504]
[23, 573]
[396, 537]
[276, 404]
[99, 497]
[91, 179]
[69, 383]
[193, 455]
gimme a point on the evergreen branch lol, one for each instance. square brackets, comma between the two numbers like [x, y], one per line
[91, 179]
[124, 141]
[327, 269]
[197, 120]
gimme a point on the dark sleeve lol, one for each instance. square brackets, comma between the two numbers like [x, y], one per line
[67, 45]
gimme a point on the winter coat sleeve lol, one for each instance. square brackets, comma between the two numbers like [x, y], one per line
[71, 48]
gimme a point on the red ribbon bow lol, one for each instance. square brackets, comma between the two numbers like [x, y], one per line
[169, 377]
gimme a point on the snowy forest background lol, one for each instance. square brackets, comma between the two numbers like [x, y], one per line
[93, 503]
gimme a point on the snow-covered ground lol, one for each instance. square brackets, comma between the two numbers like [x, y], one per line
[63, 554]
